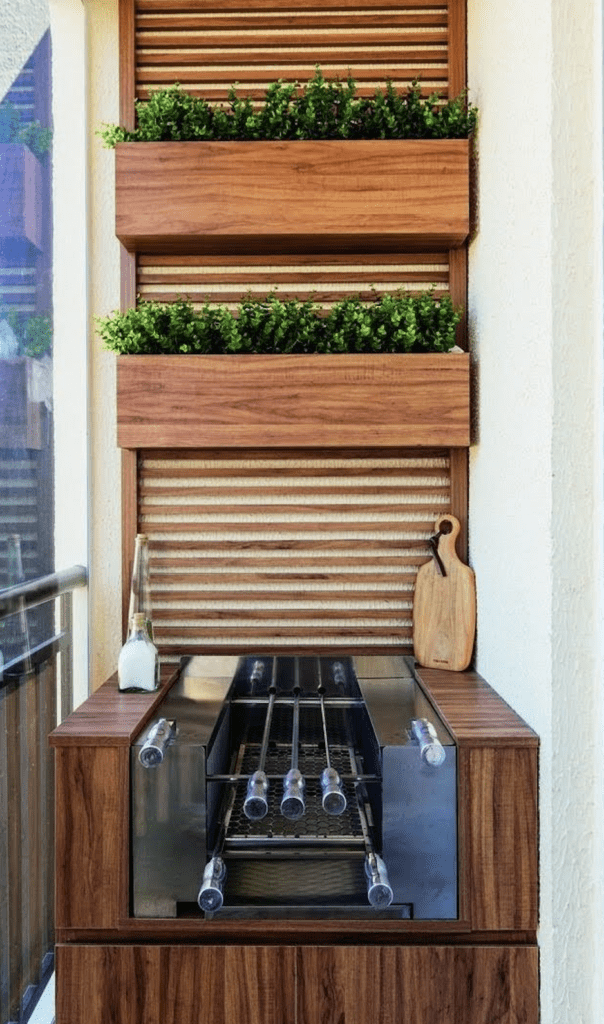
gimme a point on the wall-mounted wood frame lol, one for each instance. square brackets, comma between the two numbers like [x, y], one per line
[315, 196]
[276, 401]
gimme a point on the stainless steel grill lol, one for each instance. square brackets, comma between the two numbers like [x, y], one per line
[295, 786]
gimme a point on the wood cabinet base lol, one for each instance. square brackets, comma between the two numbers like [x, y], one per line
[131, 984]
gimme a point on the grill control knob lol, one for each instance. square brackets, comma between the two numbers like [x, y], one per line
[379, 891]
[292, 804]
[334, 801]
[210, 894]
[255, 805]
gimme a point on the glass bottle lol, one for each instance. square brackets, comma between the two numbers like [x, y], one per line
[138, 661]
[140, 587]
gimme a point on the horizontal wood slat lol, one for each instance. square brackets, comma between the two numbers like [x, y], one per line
[312, 560]
[209, 47]
[322, 279]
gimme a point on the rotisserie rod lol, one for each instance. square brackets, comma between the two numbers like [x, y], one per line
[379, 890]
[211, 892]
[255, 805]
[292, 804]
[333, 799]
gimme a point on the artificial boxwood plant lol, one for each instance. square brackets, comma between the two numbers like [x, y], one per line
[321, 109]
[392, 322]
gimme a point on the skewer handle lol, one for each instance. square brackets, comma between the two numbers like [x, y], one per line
[333, 799]
[211, 895]
[255, 805]
[292, 804]
[379, 890]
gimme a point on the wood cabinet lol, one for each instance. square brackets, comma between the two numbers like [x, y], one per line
[163, 984]
[478, 969]
[297, 985]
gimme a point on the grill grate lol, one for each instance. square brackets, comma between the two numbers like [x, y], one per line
[315, 824]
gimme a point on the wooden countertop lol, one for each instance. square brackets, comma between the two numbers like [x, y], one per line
[471, 709]
[109, 718]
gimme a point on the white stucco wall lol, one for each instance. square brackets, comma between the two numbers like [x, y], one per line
[23, 25]
[105, 469]
[536, 467]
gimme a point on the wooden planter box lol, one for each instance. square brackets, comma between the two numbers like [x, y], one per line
[20, 195]
[293, 401]
[316, 196]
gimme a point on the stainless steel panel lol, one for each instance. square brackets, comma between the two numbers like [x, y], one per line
[419, 827]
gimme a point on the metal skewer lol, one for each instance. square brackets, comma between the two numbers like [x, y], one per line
[333, 799]
[292, 804]
[379, 890]
[211, 892]
[255, 805]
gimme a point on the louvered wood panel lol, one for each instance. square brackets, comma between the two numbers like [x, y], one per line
[208, 46]
[281, 552]
[323, 279]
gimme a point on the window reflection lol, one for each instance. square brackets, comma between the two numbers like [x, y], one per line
[26, 429]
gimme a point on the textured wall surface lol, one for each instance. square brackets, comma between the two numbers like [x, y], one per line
[536, 470]
[23, 25]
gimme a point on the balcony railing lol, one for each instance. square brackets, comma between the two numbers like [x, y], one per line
[35, 695]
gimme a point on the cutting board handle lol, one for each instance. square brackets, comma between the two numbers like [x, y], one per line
[449, 528]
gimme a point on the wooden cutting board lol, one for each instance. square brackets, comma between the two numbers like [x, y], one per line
[444, 607]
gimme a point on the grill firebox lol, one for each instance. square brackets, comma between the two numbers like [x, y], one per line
[295, 787]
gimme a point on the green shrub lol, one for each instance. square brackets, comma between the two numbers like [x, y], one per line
[33, 332]
[393, 322]
[322, 109]
[32, 135]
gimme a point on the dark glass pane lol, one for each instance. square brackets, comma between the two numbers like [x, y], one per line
[26, 426]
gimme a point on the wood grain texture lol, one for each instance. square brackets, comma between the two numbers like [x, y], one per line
[284, 401]
[292, 196]
[460, 485]
[444, 606]
[108, 985]
[472, 711]
[464, 985]
[503, 840]
[109, 718]
[127, 68]
[158, 984]
[91, 836]
[457, 22]
[324, 279]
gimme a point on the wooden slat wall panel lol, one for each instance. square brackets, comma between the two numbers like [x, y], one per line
[286, 552]
[324, 279]
[208, 46]
[227, 570]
